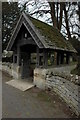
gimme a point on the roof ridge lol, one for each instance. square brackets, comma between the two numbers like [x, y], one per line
[46, 35]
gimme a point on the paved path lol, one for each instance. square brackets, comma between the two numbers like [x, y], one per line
[33, 103]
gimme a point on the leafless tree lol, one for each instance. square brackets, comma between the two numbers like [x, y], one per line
[60, 14]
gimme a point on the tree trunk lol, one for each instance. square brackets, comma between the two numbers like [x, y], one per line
[66, 21]
[57, 13]
[52, 8]
[56, 22]
[61, 15]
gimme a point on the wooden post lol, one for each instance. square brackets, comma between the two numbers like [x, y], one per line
[45, 58]
[58, 58]
[13, 58]
[18, 55]
[37, 57]
[62, 58]
[55, 58]
[67, 58]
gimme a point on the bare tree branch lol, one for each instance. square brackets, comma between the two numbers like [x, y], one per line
[40, 11]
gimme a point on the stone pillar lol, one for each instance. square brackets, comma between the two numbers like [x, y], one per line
[37, 57]
[45, 58]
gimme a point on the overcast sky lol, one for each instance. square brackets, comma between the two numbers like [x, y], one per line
[34, 5]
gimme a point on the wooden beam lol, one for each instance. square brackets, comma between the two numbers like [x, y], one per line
[67, 58]
[25, 41]
[13, 58]
[37, 57]
[58, 58]
[62, 58]
[18, 55]
[55, 58]
[45, 58]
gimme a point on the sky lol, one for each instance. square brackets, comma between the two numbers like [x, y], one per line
[34, 5]
[41, 6]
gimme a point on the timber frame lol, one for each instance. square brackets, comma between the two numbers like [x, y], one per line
[35, 42]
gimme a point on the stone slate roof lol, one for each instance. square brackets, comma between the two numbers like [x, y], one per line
[52, 36]
[49, 36]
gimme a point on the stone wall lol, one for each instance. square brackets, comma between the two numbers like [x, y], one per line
[55, 79]
[11, 69]
[39, 77]
[67, 89]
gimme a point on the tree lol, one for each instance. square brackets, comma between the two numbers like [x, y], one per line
[55, 7]
[10, 15]
[76, 44]
[63, 15]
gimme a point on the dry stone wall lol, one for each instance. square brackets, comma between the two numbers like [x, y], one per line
[67, 89]
[11, 69]
[54, 79]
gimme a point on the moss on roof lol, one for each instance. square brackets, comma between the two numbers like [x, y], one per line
[52, 35]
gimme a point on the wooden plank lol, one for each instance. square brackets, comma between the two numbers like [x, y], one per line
[16, 30]
[27, 41]
[33, 34]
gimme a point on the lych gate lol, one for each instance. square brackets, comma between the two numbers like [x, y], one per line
[33, 46]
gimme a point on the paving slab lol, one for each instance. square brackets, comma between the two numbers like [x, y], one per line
[20, 84]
